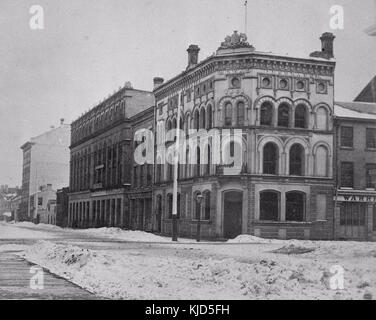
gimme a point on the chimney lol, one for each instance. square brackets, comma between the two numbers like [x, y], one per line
[327, 51]
[327, 40]
[62, 121]
[193, 51]
[157, 82]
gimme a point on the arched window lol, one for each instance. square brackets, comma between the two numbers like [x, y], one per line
[270, 159]
[207, 206]
[169, 125]
[202, 118]
[228, 115]
[187, 123]
[321, 161]
[240, 113]
[187, 163]
[197, 208]
[208, 161]
[283, 115]
[301, 116]
[209, 117]
[295, 206]
[174, 124]
[169, 205]
[321, 119]
[297, 160]
[198, 163]
[197, 120]
[266, 114]
[269, 206]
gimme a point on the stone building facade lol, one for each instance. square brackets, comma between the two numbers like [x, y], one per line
[355, 199]
[283, 107]
[102, 160]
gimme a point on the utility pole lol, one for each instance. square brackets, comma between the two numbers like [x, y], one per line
[176, 173]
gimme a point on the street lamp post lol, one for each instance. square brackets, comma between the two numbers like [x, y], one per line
[200, 197]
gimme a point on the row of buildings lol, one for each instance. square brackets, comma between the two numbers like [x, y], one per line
[308, 163]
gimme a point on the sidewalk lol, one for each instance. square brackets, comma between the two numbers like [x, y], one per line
[15, 283]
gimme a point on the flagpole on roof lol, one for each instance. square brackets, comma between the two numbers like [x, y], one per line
[245, 17]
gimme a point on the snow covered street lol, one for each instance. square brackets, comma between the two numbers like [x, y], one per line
[121, 264]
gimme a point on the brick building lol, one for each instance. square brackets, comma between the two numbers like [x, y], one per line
[102, 160]
[355, 140]
[283, 106]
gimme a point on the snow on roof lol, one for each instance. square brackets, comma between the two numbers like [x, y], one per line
[358, 110]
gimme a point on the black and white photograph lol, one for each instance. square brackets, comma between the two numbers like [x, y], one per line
[192, 151]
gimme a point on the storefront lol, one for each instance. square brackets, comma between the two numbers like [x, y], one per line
[355, 215]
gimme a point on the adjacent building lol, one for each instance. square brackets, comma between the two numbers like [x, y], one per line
[101, 160]
[45, 162]
[283, 107]
[355, 199]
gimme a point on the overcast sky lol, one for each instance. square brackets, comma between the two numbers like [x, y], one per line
[90, 47]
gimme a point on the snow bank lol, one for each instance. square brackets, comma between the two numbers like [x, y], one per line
[119, 234]
[184, 273]
[246, 238]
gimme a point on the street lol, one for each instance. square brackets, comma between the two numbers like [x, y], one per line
[118, 264]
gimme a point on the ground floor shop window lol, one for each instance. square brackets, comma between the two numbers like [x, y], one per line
[353, 214]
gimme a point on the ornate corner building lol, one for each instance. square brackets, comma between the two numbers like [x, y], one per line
[284, 108]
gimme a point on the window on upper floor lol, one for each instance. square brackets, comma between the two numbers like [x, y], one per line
[297, 160]
[371, 138]
[370, 175]
[283, 116]
[240, 113]
[266, 114]
[347, 137]
[301, 117]
[270, 159]
[347, 174]
[228, 115]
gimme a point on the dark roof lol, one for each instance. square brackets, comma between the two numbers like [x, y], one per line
[363, 107]
[368, 94]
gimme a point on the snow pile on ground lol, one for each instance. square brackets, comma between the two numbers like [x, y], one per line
[120, 234]
[189, 272]
[246, 238]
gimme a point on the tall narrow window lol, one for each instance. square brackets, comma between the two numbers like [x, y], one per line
[284, 115]
[198, 165]
[347, 174]
[266, 114]
[346, 137]
[295, 205]
[297, 160]
[196, 120]
[228, 115]
[370, 174]
[300, 117]
[270, 159]
[207, 206]
[209, 117]
[321, 119]
[371, 138]
[269, 206]
[321, 161]
[202, 118]
[207, 165]
[240, 113]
